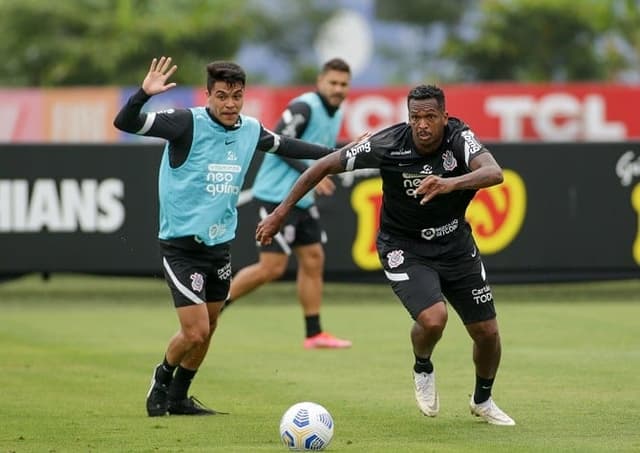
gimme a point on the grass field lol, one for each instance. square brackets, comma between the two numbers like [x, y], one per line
[76, 355]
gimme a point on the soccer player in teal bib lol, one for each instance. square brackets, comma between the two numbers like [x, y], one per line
[205, 160]
[314, 117]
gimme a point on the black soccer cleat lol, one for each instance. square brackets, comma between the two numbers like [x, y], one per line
[190, 406]
[157, 398]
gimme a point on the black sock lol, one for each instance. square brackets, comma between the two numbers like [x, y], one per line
[164, 372]
[483, 389]
[423, 365]
[180, 384]
[312, 325]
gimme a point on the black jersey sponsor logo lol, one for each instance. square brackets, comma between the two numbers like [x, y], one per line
[471, 144]
[426, 170]
[437, 232]
[400, 152]
[364, 147]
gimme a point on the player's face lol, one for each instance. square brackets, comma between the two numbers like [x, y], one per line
[225, 102]
[427, 123]
[334, 86]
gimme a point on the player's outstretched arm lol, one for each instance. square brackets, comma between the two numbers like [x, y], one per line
[159, 72]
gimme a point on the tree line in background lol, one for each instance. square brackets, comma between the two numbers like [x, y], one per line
[109, 42]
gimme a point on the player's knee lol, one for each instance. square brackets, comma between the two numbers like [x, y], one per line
[272, 272]
[434, 318]
[197, 335]
[486, 334]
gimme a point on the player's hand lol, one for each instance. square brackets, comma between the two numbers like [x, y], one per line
[269, 227]
[159, 72]
[325, 187]
[433, 185]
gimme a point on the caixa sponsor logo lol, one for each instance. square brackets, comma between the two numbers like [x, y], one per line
[68, 205]
[482, 295]
[436, 232]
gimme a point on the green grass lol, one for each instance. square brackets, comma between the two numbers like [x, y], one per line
[76, 354]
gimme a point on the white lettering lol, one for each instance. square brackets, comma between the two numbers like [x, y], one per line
[554, 117]
[87, 205]
[627, 168]
[112, 214]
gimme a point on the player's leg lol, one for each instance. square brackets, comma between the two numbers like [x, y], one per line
[271, 266]
[310, 283]
[193, 273]
[307, 238]
[417, 286]
[472, 298]
[179, 401]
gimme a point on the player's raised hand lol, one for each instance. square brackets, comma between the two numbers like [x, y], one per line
[159, 72]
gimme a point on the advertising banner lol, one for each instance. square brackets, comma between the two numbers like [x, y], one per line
[564, 211]
[497, 112]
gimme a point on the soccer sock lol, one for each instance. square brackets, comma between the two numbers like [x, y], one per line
[483, 389]
[181, 382]
[312, 325]
[423, 365]
[164, 372]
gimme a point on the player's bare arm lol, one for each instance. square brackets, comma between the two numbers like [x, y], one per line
[159, 72]
[271, 224]
[485, 172]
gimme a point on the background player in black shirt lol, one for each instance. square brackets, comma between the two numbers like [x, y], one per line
[431, 167]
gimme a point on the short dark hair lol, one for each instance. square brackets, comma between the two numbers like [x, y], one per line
[336, 64]
[427, 92]
[225, 71]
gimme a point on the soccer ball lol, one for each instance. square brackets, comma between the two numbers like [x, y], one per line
[306, 426]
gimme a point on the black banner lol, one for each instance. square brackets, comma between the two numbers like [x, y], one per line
[565, 211]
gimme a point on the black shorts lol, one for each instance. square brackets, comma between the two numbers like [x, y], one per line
[301, 227]
[196, 273]
[421, 278]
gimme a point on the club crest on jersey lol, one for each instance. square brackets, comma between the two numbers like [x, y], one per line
[197, 281]
[395, 258]
[471, 144]
[450, 162]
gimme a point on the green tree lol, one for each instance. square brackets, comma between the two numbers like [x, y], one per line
[540, 40]
[98, 42]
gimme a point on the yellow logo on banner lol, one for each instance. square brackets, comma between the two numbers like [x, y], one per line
[635, 202]
[366, 200]
[496, 215]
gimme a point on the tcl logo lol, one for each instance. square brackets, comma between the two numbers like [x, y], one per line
[554, 117]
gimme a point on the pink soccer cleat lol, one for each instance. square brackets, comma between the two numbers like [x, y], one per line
[325, 340]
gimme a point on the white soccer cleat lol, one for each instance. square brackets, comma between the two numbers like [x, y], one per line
[489, 411]
[426, 394]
